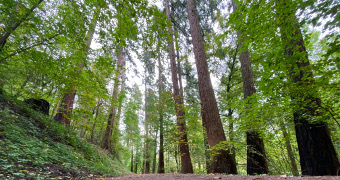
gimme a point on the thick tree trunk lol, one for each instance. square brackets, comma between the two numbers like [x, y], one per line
[161, 123]
[256, 156]
[4, 37]
[317, 153]
[186, 166]
[106, 142]
[221, 162]
[291, 157]
[66, 106]
[206, 144]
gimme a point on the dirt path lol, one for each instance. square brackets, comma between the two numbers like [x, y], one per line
[215, 177]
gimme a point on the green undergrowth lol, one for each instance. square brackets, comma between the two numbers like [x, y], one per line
[33, 146]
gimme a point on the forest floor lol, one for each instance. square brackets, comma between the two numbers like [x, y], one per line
[215, 177]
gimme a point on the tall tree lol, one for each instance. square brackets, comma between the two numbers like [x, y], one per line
[66, 105]
[186, 166]
[256, 156]
[106, 142]
[161, 119]
[221, 161]
[317, 153]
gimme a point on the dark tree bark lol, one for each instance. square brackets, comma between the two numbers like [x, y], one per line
[317, 154]
[106, 142]
[66, 106]
[221, 162]
[161, 120]
[256, 156]
[186, 166]
[206, 144]
[155, 154]
[4, 37]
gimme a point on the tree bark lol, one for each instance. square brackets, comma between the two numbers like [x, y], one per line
[161, 120]
[256, 156]
[66, 106]
[131, 166]
[106, 142]
[317, 154]
[221, 162]
[186, 166]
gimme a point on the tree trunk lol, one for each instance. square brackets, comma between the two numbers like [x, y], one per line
[146, 166]
[120, 102]
[155, 154]
[206, 144]
[317, 154]
[256, 156]
[66, 106]
[4, 38]
[186, 166]
[221, 162]
[106, 142]
[161, 123]
[291, 157]
[95, 120]
[131, 166]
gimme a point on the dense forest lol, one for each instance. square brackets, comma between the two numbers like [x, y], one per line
[174, 86]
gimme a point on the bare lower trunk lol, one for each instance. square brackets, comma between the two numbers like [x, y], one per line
[106, 142]
[317, 154]
[186, 166]
[161, 123]
[65, 109]
[221, 161]
[131, 166]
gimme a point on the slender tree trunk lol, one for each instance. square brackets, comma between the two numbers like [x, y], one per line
[291, 157]
[95, 120]
[256, 156]
[161, 123]
[120, 102]
[147, 155]
[66, 105]
[155, 154]
[4, 37]
[186, 166]
[131, 166]
[317, 154]
[221, 162]
[106, 142]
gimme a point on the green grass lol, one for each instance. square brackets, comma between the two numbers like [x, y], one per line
[33, 146]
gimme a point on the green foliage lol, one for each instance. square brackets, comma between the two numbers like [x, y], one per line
[31, 143]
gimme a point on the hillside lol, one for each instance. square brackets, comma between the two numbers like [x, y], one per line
[34, 146]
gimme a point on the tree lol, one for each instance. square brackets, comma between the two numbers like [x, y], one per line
[106, 142]
[66, 105]
[256, 156]
[186, 166]
[317, 153]
[221, 162]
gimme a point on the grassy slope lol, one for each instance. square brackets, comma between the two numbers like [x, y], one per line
[33, 145]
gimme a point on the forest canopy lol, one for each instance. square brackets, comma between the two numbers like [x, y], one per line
[174, 86]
